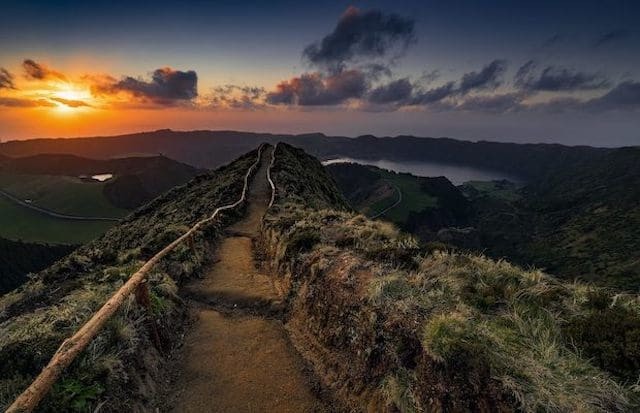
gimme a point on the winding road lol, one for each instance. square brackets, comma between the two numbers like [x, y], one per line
[384, 211]
[51, 213]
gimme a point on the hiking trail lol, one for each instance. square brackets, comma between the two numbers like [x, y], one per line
[237, 356]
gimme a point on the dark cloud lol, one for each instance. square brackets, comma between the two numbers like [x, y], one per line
[555, 79]
[396, 91]
[38, 71]
[433, 95]
[611, 37]
[71, 103]
[167, 86]
[489, 77]
[6, 79]
[499, 103]
[25, 103]
[316, 89]
[625, 96]
[375, 71]
[429, 77]
[237, 97]
[358, 34]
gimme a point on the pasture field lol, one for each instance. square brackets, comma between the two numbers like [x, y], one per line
[62, 194]
[20, 223]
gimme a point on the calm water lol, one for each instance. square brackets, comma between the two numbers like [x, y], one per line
[455, 173]
[102, 177]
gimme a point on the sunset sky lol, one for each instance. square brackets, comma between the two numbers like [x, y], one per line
[534, 71]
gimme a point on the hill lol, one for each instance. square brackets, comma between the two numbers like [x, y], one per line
[581, 222]
[420, 205]
[208, 149]
[17, 259]
[384, 323]
[394, 327]
[122, 365]
[37, 189]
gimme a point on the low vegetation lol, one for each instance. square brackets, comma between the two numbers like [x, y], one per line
[426, 204]
[18, 259]
[392, 325]
[122, 368]
[23, 224]
[62, 194]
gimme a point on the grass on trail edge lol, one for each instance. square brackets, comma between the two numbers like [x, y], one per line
[420, 329]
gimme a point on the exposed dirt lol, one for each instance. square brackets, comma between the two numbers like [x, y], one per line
[237, 357]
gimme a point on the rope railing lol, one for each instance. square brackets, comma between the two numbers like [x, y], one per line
[73, 346]
[273, 186]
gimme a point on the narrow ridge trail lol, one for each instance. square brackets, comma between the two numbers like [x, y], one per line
[237, 357]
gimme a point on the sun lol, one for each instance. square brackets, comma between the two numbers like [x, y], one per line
[71, 99]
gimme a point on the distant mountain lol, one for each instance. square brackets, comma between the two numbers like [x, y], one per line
[213, 148]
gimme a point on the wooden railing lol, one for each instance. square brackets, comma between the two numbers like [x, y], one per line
[73, 346]
[273, 186]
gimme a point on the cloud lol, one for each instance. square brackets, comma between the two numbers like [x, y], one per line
[25, 103]
[317, 89]
[498, 103]
[166, 87]
[625, 96]
[433, 95]
[6, 79]
[611, 37]
[237, 97]
[375, 71]
[489, 77]
[37, 71]
[396, 91]
[430, 76]
[358, 34]
[70, 102]
[555, 79]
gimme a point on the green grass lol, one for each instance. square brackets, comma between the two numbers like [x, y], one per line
[496, 189]
[20, 223]
[62, 194]
[413, 198]
[434, 330]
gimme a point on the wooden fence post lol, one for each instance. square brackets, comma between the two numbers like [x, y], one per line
[143, 298]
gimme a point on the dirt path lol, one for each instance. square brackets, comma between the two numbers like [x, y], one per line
[236, 357]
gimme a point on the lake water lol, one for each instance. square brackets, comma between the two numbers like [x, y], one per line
[455, 173]
[102, 177]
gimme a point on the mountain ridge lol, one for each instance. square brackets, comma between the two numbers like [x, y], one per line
[213, 148]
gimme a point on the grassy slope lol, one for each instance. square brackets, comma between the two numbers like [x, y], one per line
[20, 223]
[392, 326]
[414, 199]
[581, 222]
[17, 259]
[62, 194]
[121, 367]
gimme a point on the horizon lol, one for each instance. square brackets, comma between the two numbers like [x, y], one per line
[525, 73]
[310, 133]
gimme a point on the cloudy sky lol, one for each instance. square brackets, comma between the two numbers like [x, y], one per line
[524, 71]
